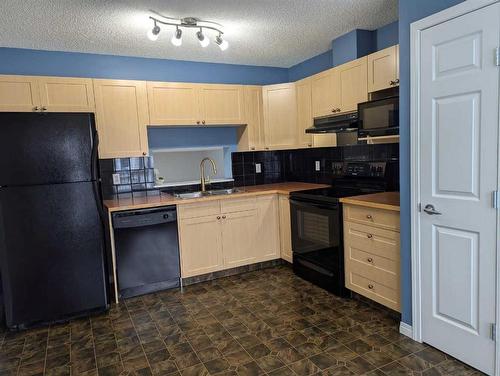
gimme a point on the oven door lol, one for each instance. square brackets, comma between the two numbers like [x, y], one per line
[315, 226]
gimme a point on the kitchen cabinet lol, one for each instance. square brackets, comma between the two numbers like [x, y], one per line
[251, 136]
[51, 94]
[228, 233]
[222, 104]
[267, 235]
[383, 69]
[325, 140]
[372, 253]
[304, 112]
[280, 116]
[172, 103]
[122, 118]
[285, 228]
[324, 93]
[200, 241]
[352, 84]
[239, 238]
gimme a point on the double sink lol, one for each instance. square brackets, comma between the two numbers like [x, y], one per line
[215, 192]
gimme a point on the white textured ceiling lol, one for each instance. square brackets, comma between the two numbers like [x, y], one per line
[277, 33]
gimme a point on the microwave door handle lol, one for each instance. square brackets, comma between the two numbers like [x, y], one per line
[309, 204]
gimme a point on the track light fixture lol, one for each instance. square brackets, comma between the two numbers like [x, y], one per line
[189, 22]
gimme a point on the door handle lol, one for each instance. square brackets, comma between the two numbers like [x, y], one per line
[429, 209]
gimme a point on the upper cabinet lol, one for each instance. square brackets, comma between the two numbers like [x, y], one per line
[172, 103]
[251, 137]
[280, 116]
[383, 69]
[122, 118]
[304, 112]
[46, 94]
[324, 92]
[222, 104]
[352, 85]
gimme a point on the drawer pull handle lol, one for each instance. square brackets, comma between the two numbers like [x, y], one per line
[370, 286]
[369, 216]
[369, 259]
[369, 236]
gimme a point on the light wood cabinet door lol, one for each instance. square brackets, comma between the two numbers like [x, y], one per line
[280, 116]
[201, 245]
[122, 118]
[59, 94]
[172, 103]
[383, 69]
[352, 84]
[285, 229]
[19, 94]
[239, 233]
[268, 231]
[222, 104]
[304, 112]
[251, 136]
[325, 140]
[324, 92]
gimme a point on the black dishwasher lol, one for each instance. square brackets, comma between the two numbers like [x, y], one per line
[147, 250]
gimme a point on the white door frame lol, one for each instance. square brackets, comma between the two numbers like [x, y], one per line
[417, 27]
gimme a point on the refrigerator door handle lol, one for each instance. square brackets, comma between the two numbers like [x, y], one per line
[94, 177]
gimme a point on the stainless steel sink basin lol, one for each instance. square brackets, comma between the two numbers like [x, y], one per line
[215, 192]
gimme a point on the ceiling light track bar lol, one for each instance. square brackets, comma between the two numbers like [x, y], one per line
[185, 23]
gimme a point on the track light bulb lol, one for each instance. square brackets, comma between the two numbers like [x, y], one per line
[222, 43]
[177, 38]
[204, 41]
[154, 32]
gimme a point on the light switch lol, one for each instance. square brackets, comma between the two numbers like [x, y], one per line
[258, 168]
[317, 165]
[116, 179]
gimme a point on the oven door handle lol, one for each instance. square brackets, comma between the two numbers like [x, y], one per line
[308, 204]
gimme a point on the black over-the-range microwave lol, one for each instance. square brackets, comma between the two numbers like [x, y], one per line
[378, 117]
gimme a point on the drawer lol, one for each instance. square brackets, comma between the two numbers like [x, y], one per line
[372, 271]
[238, 204]
[372, 261]
[373, 290]
[198, 209]
[373, 240]
[378, 217]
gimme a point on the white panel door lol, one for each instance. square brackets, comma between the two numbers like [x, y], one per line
[459, 164]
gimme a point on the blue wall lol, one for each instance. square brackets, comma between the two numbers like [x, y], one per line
[409, 11]
[386, 36]
[311, 66]
[51, 63]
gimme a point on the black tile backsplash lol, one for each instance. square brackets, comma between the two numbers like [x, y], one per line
[299, 164]
[136, 177]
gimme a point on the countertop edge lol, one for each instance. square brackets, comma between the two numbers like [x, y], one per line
[359, 201]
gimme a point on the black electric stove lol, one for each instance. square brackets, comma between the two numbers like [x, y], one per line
[317, 224]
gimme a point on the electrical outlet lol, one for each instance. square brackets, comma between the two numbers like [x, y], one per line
[116, 179]
[258, 168]
[317, 165]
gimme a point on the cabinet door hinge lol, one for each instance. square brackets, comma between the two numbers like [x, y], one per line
[497, 56]
[495, 200]
[419, 206]
[493, 332]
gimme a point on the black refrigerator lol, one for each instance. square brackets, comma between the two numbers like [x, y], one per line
[52, 258]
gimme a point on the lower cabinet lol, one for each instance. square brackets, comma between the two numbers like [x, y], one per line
[372, 257]
[285, 229]
[237, 232]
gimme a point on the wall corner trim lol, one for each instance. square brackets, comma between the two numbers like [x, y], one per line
[406, 329]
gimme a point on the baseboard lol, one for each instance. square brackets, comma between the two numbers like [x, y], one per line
[405, 329]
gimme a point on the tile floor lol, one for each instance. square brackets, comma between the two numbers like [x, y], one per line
[267, 322]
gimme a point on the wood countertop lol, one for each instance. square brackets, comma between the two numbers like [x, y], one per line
[167, 199]
[382, 200]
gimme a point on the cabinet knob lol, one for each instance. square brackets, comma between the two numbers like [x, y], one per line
[310, 145]
[338, 109]
[144, 153]
[252, 148]
[333, 109]
[36, 108]
[223, 217]
[203, 122]
[369, 236]
[392, 83]
[218, 217]
[369, 259]
[44, 108]
[198, 122]
[369, 216]
[397, 81]
[266, 148]
[370, 286]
